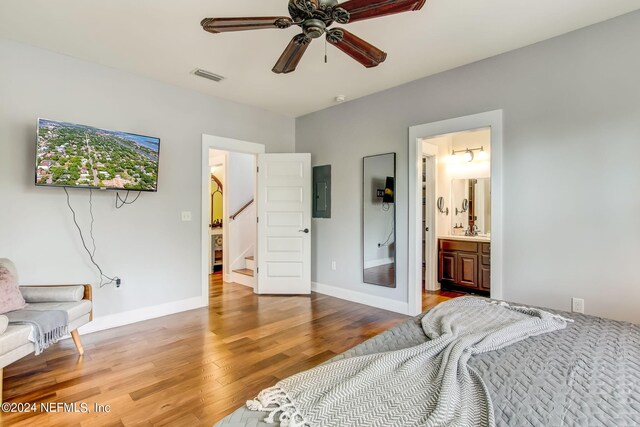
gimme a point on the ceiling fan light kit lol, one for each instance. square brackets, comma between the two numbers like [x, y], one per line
[315, 17]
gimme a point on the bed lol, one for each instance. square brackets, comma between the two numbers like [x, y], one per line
[585, 375]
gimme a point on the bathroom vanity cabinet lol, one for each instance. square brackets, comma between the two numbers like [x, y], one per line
[465, 263]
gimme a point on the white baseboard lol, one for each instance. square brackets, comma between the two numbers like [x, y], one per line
[361, 298]
[140, 314]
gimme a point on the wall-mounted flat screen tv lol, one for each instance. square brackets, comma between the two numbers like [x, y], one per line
[71, 155]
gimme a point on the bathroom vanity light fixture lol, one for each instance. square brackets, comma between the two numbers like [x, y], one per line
[468, 153]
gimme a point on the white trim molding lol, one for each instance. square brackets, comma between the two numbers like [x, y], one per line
[492, 119]
[141, 314]
[360, 297]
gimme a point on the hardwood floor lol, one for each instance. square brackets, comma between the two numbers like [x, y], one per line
[432, 298]
[190, 368]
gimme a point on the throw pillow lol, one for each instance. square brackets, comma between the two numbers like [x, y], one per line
[10, 296]
[6, 262]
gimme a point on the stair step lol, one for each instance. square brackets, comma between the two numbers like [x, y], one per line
[249, 257]
[244, 271]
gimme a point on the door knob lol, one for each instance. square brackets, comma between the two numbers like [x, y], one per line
[306, 230]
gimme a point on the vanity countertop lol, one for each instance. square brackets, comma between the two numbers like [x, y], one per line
[482, 239]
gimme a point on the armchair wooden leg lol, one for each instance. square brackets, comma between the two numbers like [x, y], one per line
[76, 340]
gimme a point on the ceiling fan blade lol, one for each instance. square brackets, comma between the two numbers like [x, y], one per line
[223, 25]
[365, 9]
[363, 52]
[292, 54]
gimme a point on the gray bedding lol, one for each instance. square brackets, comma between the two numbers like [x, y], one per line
[585, 375]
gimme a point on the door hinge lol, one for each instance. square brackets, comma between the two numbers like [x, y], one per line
[257, 270]
[257, 168]
[257, 219]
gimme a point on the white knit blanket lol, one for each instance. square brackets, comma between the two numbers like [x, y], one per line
[426, 385]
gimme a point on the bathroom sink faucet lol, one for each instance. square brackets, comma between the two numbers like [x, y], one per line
[471, 231]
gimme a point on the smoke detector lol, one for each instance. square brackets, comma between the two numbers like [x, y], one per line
[208, 75]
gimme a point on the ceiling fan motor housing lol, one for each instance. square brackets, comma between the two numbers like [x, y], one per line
[303, 10]
[313, 28]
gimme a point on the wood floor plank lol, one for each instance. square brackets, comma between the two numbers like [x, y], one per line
[195, 367]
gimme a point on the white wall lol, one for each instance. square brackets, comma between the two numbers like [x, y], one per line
[457, 167]
[444, 221]
[571, 148]
[241, 176]
[157, 255]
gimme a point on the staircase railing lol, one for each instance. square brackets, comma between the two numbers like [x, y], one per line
[232, 217]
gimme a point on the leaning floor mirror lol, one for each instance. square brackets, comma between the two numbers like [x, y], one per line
[379, 220]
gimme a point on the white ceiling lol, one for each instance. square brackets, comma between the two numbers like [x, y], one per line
[163, 40]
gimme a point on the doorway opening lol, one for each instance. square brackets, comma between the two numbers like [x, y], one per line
[232, 219]
[456, 210]
[273, 219]
[229, 241]
[455, 207]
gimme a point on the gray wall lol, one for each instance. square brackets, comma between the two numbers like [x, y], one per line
[157, 255]
[571, 179]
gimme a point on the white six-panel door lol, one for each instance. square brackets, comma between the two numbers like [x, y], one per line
[284, 223]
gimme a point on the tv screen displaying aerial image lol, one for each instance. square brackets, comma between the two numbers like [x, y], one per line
[73, 155]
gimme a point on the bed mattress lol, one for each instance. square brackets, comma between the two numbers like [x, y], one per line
[585, 375]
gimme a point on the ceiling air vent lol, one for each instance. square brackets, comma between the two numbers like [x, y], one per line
[208, 75]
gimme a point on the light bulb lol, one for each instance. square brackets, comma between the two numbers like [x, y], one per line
[468, 155]
[213, 169]
[482, 155]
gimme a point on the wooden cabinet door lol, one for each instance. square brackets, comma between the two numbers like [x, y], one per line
[447, 266]
[468, 270]
[485, 278]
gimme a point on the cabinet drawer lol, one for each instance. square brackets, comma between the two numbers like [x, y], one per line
[486, 248]
[456, 245]
[486, 260]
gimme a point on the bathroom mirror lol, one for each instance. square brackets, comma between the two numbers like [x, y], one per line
[473, 196]
[379, 220]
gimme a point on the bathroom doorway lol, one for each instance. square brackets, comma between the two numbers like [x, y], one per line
[456, 210]
[454, 237]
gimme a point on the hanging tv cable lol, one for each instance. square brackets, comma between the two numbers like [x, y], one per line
[104, 279]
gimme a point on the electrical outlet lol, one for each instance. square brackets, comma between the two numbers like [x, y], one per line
[118, 282]
[186, 215]
[577, 305]
[334, 265]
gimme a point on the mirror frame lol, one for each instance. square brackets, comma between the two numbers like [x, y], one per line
[395, 220]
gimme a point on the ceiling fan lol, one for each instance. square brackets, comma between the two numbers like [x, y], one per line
[315, 17]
